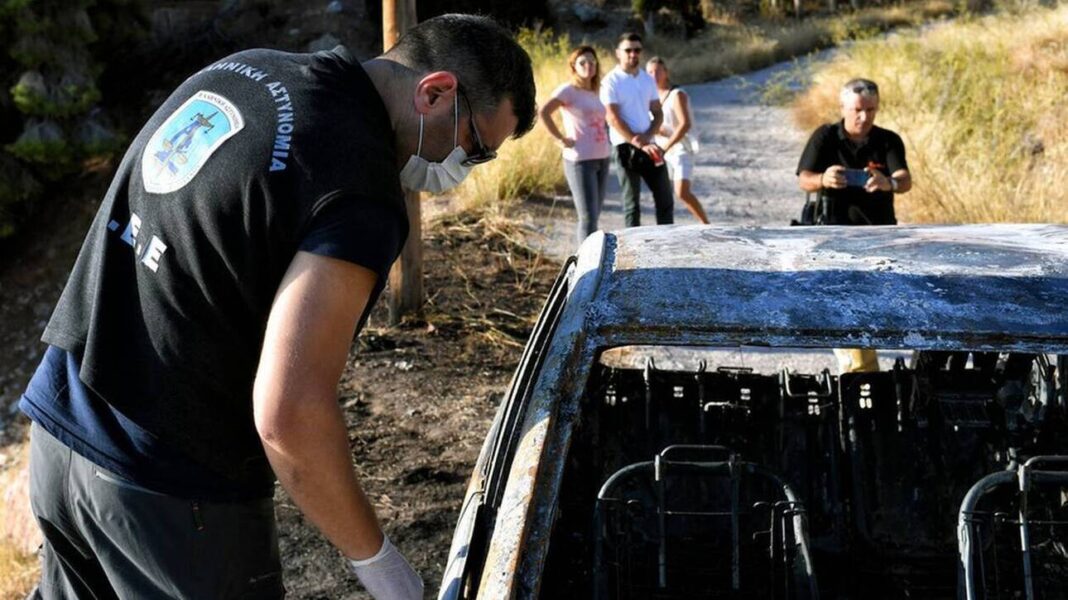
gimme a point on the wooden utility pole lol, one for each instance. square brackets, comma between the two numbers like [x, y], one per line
[406, 277]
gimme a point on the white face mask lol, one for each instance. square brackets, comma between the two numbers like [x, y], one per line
[419, 174]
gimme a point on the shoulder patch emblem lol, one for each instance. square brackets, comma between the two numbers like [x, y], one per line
[185, 141]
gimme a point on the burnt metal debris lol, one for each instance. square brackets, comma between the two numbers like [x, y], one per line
[943, 476]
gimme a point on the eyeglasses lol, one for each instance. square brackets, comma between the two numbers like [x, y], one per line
[482, 154]
[632, 50]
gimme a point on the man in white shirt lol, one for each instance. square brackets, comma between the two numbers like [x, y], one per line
[634, 116]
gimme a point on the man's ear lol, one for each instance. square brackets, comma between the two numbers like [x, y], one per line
[435, 92]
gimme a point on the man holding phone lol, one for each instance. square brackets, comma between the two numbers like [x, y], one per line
[856, 166]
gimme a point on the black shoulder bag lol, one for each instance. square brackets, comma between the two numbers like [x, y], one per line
[816, 210]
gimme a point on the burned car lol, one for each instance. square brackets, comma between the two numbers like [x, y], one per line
[675, 429]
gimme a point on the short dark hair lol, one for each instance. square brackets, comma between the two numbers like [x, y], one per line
[628, 36]
[484, 56]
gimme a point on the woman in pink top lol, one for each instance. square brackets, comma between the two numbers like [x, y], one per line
[585, 143]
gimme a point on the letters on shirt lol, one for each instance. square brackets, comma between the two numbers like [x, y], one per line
[146, 255]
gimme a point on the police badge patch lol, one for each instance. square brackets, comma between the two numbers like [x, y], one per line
[186, 140]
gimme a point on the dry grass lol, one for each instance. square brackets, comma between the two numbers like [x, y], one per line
[978, 104]
[18, 531]
[721, 51]
[508, 261]
[531, 165]
[18, 572]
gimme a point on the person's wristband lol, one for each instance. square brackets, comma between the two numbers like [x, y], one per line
[893, 185]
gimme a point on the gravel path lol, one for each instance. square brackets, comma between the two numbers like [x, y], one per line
[744, 173]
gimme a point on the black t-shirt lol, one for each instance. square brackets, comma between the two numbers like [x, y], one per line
[829, 146]
[253, 158]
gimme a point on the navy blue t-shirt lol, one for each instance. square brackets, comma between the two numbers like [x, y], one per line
[58, 401]
[257, 156]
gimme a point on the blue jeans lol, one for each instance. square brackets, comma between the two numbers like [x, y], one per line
[659, 184]
[587, 179]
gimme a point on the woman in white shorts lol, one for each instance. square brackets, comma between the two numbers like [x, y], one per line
[673, 138]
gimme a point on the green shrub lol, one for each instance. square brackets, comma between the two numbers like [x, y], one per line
[50, 122]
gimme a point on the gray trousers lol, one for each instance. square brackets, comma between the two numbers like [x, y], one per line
[587, 179]
[107, 537]
[659, 183]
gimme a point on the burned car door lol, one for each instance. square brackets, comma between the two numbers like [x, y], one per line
[474, 527]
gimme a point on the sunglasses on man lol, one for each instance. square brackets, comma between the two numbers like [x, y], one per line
[482, 154]
[860, 88]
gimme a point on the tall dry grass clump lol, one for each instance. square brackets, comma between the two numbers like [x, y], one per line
[19, 535]
[18, 572]
[979, 104]
[722, 51]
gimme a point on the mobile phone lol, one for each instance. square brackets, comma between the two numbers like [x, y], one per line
[856, 177]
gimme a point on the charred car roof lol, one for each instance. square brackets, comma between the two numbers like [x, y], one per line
[976, 287]
[984, 287]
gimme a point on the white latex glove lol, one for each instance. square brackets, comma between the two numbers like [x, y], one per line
[387, 575]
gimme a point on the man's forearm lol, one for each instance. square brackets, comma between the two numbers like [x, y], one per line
[309, 452]
[810, 181]
[617, 123]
